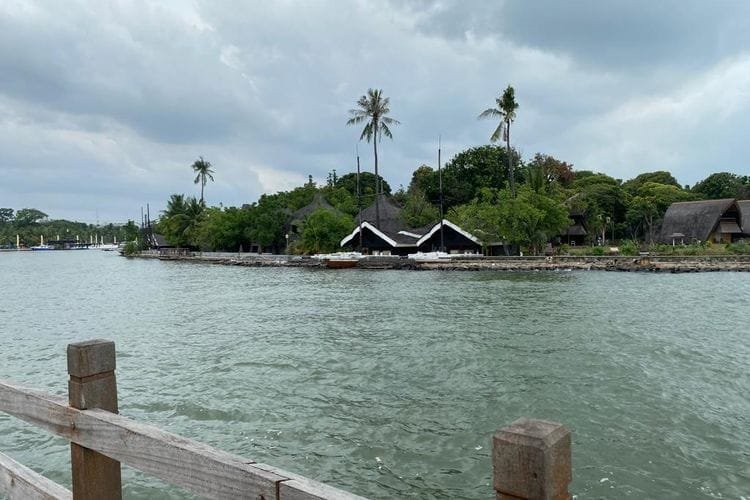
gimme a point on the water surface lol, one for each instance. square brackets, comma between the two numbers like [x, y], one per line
[390, 383]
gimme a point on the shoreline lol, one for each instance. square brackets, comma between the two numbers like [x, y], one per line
[646, 263]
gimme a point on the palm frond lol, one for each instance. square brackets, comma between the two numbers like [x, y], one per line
[385, 130]
[497, 133]
[490, 113]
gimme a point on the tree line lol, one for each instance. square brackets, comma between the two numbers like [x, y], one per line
[30, 224]
[477, 195]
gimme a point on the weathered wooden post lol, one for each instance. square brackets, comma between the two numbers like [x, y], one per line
[531, 460]
[92, 384]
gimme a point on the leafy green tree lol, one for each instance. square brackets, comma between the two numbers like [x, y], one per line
[531, 219]
[341, 199]
[723, 185]
[481, 216]
[28, 216]
[181, 219]
[367, 185]
[650, 203]
[322, 232]
[506, 111]
[373, 111]
[6, 215]
[660, 177]
[550, 172]
[466, 174]
[204, 172]
[269, 217]
[417, 210]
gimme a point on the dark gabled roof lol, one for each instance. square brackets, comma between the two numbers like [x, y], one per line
[695, 219]
[744, 206]
[390, 214]
[574, 230]
[317, 202]
[455, 227]
[397, 238]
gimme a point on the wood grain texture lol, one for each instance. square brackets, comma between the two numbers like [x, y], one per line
[183, 462]
[301, 488]
[91, 357]
[19, 482]
[93, 384]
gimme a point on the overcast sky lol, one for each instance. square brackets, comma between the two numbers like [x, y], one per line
[105, 105]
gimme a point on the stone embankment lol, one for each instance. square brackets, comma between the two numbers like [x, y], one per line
[644, 263]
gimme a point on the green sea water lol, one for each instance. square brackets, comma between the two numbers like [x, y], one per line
[390, 384]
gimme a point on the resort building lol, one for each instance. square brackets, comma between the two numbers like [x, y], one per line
[744, 206]
[454, 239]
[575, 234]
[394, 238]
[718, 221]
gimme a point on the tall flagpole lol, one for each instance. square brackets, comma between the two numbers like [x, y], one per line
[440, 176]
[359, 202]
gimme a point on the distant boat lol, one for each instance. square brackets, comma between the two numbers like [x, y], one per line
[41, 245]
[108, 247]
[340, 260]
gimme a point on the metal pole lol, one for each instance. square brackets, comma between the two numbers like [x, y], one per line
[440, 177]
[359, 203]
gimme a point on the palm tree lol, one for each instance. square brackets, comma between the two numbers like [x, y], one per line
[506, 110]
[203, 169]
[373, 109]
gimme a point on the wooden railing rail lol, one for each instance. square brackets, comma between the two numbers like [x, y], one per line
[200, 468]
[531, 458]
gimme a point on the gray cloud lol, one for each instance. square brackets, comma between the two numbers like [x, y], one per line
[103, 106]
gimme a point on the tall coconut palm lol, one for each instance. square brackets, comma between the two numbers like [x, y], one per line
[506, 111]
[203, 169]
[373, 109]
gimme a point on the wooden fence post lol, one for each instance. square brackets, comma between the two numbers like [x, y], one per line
[92, 384]
[531, 460]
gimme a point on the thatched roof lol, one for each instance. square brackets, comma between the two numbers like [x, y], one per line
[744, 206]
[455, 227]
[390, 215]
[400, 238]
[574, 230]
[695, 219]
[317, 202]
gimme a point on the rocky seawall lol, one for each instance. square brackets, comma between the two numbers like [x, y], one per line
[645, 263]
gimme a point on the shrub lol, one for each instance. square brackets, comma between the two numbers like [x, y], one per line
[740, 248]
[629, 247]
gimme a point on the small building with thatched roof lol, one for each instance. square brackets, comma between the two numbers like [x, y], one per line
[391, 237]
[744, 206]
[718, 221]
[454, 238]
[576, 233]
[381, 241]
[296, 219]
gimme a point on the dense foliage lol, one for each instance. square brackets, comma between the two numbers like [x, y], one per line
[31, 224]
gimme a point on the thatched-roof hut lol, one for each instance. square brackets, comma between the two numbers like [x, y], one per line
[382, 241]
[710, 220]
[296, 219]
[455, 239]
[390, 214]
[744, 206]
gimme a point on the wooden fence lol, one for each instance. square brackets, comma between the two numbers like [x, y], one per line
[531, 458]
